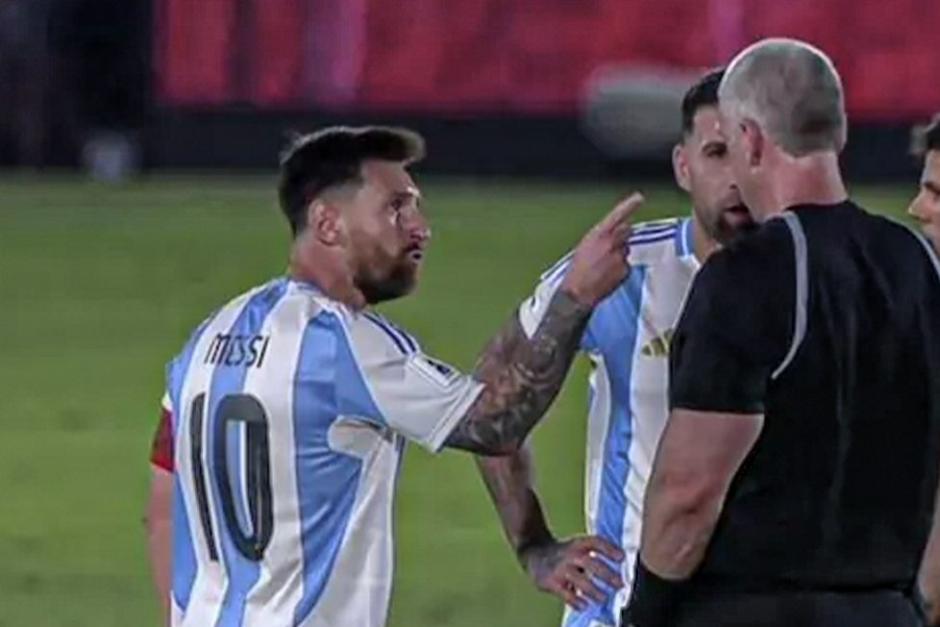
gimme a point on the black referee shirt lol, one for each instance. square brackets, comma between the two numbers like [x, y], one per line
[827, 321]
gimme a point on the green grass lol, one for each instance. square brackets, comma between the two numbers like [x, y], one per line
[99, 287]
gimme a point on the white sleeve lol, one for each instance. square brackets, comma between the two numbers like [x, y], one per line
[414, 394]
[533, 308]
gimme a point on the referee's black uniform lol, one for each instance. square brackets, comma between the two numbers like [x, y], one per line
[827, 321]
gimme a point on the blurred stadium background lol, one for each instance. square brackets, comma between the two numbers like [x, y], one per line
[140, 141]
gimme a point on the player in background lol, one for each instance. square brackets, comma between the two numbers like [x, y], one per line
[289, 408]
[925, 207]
[627, 340]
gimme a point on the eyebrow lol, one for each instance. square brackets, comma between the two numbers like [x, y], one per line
[931, 186]
[406, 194]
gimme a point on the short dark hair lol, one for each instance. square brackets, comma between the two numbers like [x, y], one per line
[702, 93]
[926, 138]
[334, 156]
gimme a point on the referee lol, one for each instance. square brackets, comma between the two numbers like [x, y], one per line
[796, 479]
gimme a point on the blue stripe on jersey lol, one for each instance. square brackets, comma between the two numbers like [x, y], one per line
[560, 266]
[648, 228]
[410, 341]
[655, 237]
[561, 269]
[620, 429]
[242, 572]
[327, 384]
[411, 345]
[396, 337]
[184, 551]
[684, 238]
[178, 368]
[615, 324]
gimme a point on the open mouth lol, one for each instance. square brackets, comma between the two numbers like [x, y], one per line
[415, 254]
[737, 215]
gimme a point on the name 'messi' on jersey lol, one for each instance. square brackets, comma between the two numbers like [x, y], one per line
[237, 350]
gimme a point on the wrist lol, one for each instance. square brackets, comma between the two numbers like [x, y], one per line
[530, 545]
[576, 297]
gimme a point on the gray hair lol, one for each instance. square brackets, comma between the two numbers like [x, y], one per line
[792, 91]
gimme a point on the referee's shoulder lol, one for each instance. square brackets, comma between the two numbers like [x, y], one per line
[752, 263]
[888, 228]
[768, 240]
[897, 241]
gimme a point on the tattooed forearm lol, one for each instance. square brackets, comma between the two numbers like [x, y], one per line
[522, 377]
[511, 486]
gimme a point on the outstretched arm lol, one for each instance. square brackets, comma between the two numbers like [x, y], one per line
[522, 375]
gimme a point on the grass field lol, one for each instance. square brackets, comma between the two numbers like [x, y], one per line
[99, 287]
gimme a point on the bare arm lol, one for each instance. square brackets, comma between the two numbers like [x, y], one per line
[159, 525]
[509, 479]
[523, 375]
[563, 569]
[699, 454]
[522, 378]
[510, 484]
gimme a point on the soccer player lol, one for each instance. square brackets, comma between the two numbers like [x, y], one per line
[628, 340]
[926, 209]
[926, 205]
[795, 480]
[290, 406]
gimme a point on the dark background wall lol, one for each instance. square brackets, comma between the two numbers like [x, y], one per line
[498, 86]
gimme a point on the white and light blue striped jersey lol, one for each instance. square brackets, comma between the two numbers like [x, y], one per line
[291, 413]
[627, 340]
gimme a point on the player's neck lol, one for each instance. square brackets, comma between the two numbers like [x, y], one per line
[328, 273]
[702, 244]
[811, 180]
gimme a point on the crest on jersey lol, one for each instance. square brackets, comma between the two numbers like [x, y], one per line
[659, 345]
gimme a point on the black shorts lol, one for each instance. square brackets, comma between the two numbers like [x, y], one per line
[886, 608]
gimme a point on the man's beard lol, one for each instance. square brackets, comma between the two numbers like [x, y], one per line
[397, 282]
[724, 231]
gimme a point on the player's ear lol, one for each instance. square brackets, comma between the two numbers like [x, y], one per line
[324, 221]
[680, 166]
[754, 141]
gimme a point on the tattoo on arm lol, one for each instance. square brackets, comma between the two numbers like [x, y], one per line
[511, 486]
[522, 377]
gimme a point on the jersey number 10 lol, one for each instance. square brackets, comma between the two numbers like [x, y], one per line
[234, 410]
